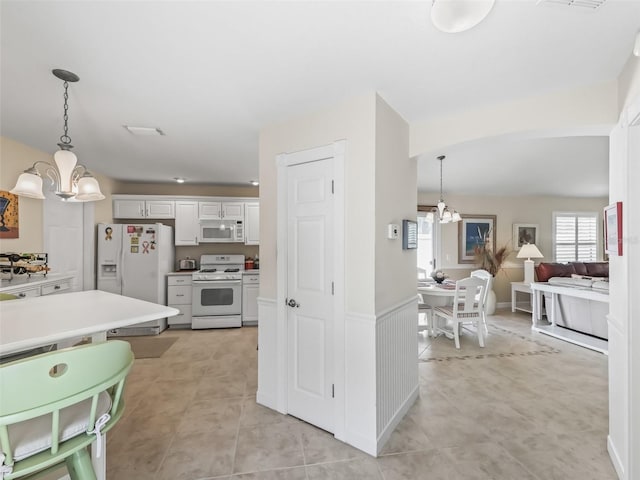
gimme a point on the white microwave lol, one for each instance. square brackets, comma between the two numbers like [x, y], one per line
[221, 231]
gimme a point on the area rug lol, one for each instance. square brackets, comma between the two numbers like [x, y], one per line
[501, 342]
[149, 347]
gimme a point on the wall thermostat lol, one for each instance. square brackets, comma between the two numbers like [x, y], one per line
[393, 231]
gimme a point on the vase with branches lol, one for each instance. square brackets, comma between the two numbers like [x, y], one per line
[488, 258]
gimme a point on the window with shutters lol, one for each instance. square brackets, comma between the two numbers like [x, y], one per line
[575, 236]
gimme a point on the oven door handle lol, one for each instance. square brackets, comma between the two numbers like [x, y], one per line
[215, 283]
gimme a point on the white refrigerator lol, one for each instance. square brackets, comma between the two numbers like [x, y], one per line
[133, 260]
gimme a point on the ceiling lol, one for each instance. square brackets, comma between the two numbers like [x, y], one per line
[211, 74]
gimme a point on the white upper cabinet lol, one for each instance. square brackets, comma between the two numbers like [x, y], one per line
[209, 210]
[221, 210]
[232, 210]
[160, 209]
[252, 223]
[129, 209]
[143, 208]
[187, 225]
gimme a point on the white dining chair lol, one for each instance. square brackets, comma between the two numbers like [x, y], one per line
[489, 279]
[424, 308]
[467, 307]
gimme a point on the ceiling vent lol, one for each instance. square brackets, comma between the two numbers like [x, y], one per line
[144, 131]
[578, 5]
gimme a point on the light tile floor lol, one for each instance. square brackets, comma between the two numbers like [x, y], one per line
[525, 407]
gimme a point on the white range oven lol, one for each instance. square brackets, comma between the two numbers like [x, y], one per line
[216, 300]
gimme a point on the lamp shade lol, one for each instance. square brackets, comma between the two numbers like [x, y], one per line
[453, 16]
[88, 189]
[29, 185]
[529, 250]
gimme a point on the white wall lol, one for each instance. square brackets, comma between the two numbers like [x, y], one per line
[587, 111]
[395, 200]
[380, 188]
[353, 120]
[624, 333]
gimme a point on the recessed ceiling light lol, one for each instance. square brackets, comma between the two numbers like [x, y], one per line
[255, 183]
[145, 131]
[179, 179]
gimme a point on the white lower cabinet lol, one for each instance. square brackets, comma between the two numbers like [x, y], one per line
[41, 286]
[250, 290]
[179, 296]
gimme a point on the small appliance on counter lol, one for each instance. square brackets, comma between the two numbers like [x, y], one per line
[187, 264]
[216, 300]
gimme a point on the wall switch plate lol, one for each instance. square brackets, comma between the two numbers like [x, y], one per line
[393, 231]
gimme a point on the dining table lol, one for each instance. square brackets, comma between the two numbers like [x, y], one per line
[26, 324]
[436, 295]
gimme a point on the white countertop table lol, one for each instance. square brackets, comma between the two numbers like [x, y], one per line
[34, 322]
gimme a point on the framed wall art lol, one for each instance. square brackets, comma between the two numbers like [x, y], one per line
[525, 233]
[475, 231]
[9, 227]
[613, 229]
[409, 234]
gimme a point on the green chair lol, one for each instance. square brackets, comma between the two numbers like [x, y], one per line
[54, 405]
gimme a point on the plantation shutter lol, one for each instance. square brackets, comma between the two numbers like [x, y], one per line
[575, 237]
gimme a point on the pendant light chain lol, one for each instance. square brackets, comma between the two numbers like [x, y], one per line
[441, 178]
[65, 139]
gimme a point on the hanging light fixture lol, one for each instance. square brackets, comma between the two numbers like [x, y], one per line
[71, 181]
[441, 212]
[453, 16]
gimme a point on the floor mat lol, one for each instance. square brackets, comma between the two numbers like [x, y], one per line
[149, 347]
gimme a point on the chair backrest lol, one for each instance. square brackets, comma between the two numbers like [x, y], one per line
[47, 383]
[489, 279]
[469, 296]
[422, 275]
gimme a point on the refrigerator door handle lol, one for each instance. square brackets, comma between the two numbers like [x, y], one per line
[121, 266]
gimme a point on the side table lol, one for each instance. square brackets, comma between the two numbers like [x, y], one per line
[521, 287]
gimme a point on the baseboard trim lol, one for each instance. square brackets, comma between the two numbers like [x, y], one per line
[615, 458]
[397, 418]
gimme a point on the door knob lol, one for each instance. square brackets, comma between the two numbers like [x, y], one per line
[293, 303]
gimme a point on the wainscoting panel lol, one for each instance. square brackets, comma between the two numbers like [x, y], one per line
[396, 366]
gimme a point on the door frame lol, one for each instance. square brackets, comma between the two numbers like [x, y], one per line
[336, 151]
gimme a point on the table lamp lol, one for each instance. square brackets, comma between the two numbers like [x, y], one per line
[529, 251]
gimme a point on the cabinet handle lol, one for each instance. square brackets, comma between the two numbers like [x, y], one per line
[57, 287]
[180, 295]
[21, 294]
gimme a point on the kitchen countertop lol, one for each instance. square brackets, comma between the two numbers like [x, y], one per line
[182, 272]
[53, 318]
[21, 281]
[252, 271]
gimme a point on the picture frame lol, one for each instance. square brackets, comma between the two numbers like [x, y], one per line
[409, 234]
[613, 229]
[474, 231]
[525, 233]
[9, 215]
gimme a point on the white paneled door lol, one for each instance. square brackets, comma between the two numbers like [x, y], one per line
[309, 292]
[63, 229]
